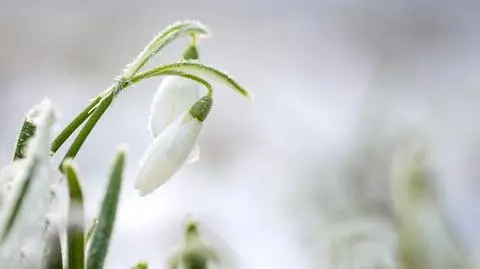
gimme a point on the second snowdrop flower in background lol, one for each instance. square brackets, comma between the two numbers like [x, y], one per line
[171, 148]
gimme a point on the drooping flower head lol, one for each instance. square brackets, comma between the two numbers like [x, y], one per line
[176, 118]
[171, 148]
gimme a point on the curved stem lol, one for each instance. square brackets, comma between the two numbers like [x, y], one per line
[145, 75]
[194, 67]
[73, 125]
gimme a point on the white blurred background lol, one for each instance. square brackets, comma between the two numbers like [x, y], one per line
[335, 82]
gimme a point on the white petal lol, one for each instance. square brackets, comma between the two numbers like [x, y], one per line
[168, 152]
[194, 154]
[174, 96]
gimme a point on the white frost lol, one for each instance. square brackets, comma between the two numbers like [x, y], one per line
[24, 246]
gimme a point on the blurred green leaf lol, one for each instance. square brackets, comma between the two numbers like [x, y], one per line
[26, 132]
[101, 238]
[17, 205]
[75, 237]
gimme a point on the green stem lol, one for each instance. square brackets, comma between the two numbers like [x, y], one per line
[145, 75]
[103, 105]
[161, 40]
[193, 67]
[73, 125]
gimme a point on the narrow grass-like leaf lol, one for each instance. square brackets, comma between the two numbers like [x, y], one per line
[101, 238]
[52, 258]
[165, 37]
[196, 69]
[75, 237]
[18, 202]
[74, 124]
[26, 132]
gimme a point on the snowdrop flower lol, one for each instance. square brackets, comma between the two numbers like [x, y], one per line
[174, 96]
[171, 148]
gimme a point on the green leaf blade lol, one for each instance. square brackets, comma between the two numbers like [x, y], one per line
[101, 238]
[75, 229]
[26, 132]
[17, 205]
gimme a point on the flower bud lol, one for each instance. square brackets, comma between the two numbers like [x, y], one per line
[168, 152]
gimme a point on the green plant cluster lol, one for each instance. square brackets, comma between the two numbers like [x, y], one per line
[88, 248]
